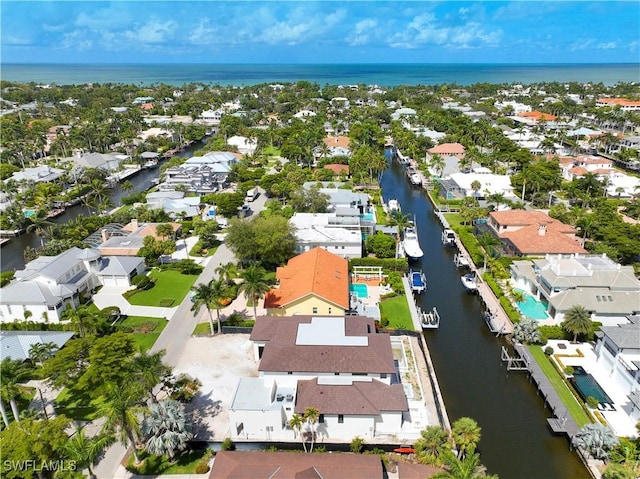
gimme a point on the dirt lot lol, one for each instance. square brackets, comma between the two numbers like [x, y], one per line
[218, 362]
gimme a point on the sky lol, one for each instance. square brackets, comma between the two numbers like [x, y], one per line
[320, 32]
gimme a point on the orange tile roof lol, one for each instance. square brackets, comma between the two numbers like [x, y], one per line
[338, 168]
[447, 148]
[315, 272]
[579, 170]
[619, 101]
[343, 141]
[537, 115]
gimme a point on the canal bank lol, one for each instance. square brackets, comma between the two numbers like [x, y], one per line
[516, 440]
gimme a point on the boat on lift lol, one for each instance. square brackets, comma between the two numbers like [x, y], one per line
[418, 281]
[448, 237]
[410, 243]
[469, 282]
[461, 260]
[394, 206]
[416, 179]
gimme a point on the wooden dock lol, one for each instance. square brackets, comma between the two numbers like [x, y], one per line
[561, 422]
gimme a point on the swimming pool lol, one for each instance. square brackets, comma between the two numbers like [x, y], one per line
[360, 290]
[532, 308]
[367, 216]
[587, 386]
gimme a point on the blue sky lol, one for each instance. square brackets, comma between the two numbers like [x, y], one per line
[320, 32]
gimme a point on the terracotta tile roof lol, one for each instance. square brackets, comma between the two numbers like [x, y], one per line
[537, 115]
[293, 465]
[316, 272]
[409, 470]
[619, 101]
[447, 149]
[147, 229]
[360, 398]
[579, 170]
[343, 141]
[281, 353]
[337, 168]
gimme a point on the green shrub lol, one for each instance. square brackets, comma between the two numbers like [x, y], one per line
[202, 467]
[513, 314]
[569, 370]
[165, 302]
[384, 321]
[140, 281]
[228, 445]
[553, 332]
[357, 443]
[395, 281]
[592, 402]
[6, 277]
[491, 282]
[389, 264]
[548, 350]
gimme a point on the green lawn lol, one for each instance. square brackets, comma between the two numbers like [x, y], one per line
[145, 330]
[155, 465]
[203, 329]
[397, 310]
[575, 408]
[171, 286]
[77, 405]
[454, 219]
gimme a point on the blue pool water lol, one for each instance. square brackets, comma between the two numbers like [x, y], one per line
[586, 385]
[532, 308]
[367, 216]
[359, 289]
[28, 213]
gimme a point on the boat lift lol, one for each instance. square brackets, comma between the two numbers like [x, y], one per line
[429, 319]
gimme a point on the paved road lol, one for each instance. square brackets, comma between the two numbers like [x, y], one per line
[173, 340]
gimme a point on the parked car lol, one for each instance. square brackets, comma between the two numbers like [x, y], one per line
[244, 210]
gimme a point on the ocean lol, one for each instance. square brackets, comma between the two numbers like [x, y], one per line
[332, 74]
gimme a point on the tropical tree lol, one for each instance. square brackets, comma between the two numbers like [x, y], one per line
[227, 272]
[12, 373]
[38, 225]
[85, 450]
[311, 415]
[254, 285]
[475, 186]
[296, 422]
[149, 370]
[438, 164]
[468, 467]
[206, 294]
[577, 320]
[596, 440]
[38, 352]
[489, 244]
[167, 429]
[432, 443]
[400, 221]
[120, 409]
[466, 435]
[526, 331]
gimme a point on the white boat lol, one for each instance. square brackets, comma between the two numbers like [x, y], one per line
[448, 237]
[430, 319]
[394, 206]
[410, 243]
[418, 281]
[416, 179]
[153, 163]
[461, 260]
[469, 282]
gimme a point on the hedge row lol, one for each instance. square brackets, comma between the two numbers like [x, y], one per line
[390, 264]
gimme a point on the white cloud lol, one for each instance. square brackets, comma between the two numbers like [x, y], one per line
[16, 40]
[203, 33]
[154, 31]
[300, 26]
[76, 40]
[362, 32]
[607, 46]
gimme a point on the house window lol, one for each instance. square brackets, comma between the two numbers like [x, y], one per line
[290, 372]
[340, 418]
[321, 419]
[383, 376]
[315, 310]
[336, 374]
[329, 310]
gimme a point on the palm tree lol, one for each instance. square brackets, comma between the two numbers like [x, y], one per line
[438, 164]
[296, 422]
[38, 352]
[577, 320]
[475, 186]
[400, 221]
[210, 295]
[526, 331]
[489, 243]
[126, 186]
[120, 409]
[149, 370]
[466, 435]
[12, 373]
[468, 467]
[167, 429]
[596, 440]
[39, 222]
[311, 415]
[432, 443]
[254, 285]
[227, 272]
[84, 450]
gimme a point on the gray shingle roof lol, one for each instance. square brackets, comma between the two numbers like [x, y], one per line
[624, 336]
[28, 292]
[16, 344]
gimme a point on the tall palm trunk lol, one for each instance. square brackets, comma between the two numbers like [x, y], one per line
[14, 409]
[133, 446]
[3, 413]
[213, 330]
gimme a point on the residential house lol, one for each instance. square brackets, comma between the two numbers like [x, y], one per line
[315, 282]
[128, 239]
[211, 116]
[175, 203]
[336, 146]
[623, 103]
[28, 177]
[342, 362]
[447, 149]
[245, 146]
[461, 185]
[201, 174]
[109, 162]
[16, 345]
[338, 169]
[405, 113]
[537, 116]
[533, 233]
[339, 232]
[607, 290]
[48, 285]
[289, 465]
[618, 351]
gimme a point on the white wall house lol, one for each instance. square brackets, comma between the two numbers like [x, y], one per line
[618, 351]
[608, 291]
[245, 146]
[50, 284]
[459, 185]
[337, 234]
[200, 174]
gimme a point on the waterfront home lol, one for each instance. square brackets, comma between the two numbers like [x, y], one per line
[447, 149]
[126, 240]
[49, 285]
[335, 146]
[16, 345]
[282, 465]
[608, 291]
[338, 169]
[315, 282]
[338, 365]
[533, 233]
[577, 166]
[174, 203]
[339, 197]
[618, 351]
[403, 113]
[623, 103]
[104, 161]
[461, 185]
[201, 174]
[340, 232]
[212, 116]
[245, 146]
[28, 177]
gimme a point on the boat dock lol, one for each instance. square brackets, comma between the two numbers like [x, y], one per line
[561, 422]
[499, 321]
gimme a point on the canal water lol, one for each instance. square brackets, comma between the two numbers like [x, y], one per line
[11, 255]
[516, 442]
